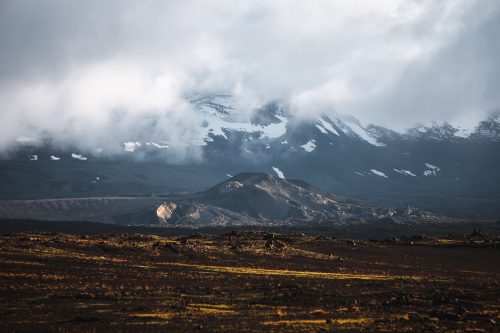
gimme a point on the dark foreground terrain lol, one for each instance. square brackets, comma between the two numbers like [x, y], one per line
[247, 281]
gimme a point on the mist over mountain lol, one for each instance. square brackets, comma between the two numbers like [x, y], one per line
[437, 167]
[73, 74]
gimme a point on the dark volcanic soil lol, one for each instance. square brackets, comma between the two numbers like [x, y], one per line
[247, 282]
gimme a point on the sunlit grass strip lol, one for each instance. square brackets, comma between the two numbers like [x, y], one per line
[343, 321]
[211, 310]
[214, 306]
[19, 262]
[300, 274]
[160, 315]
[52, 252]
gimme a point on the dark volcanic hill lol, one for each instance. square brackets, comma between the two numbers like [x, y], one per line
[262, 199]
[260, 195]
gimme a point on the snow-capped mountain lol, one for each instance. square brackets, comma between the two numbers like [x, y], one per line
[220, 117]
[488, 129]
[273, 121]
[436, 166]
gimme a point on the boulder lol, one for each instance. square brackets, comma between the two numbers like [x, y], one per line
[165, 211]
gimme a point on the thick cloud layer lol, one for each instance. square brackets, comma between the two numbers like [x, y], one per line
[96, 73]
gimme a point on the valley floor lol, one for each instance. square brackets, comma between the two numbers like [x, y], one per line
[247, 281]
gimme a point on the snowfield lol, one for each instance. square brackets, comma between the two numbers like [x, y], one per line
[279, 172]
[309, 146]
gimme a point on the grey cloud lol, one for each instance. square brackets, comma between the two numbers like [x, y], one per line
[67, 68]
[458, 84]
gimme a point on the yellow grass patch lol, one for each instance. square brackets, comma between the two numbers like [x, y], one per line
[343, 321]
[215, 306]
[299, 274]
[446, 241]
[19, 262]
[160, 315]
[216, 309]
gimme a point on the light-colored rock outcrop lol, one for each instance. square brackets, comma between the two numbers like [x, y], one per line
[165, 211]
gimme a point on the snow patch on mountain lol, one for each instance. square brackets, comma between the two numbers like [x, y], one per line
[131, 146]
[353, 128]
[219, 115]
[157, 145]
[378, 173]
[405, 172]
[327, 126]
[160, 146]
[25, 140]
[440, 132]
[463, 132]
[79, 157]
[321, 129]
[34, 158]
[309, 146]
[54, 158]
[279, 172]
[432, 170]
[363, 134]
[432, 167]
[217, 126]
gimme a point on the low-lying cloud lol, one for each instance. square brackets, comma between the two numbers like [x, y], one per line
[96, 73]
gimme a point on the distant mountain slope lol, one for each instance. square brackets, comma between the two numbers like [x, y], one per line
[128, 210]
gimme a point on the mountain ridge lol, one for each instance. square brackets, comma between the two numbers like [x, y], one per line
[335, 153]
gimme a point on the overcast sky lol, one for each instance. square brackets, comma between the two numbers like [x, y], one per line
[70, 68]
